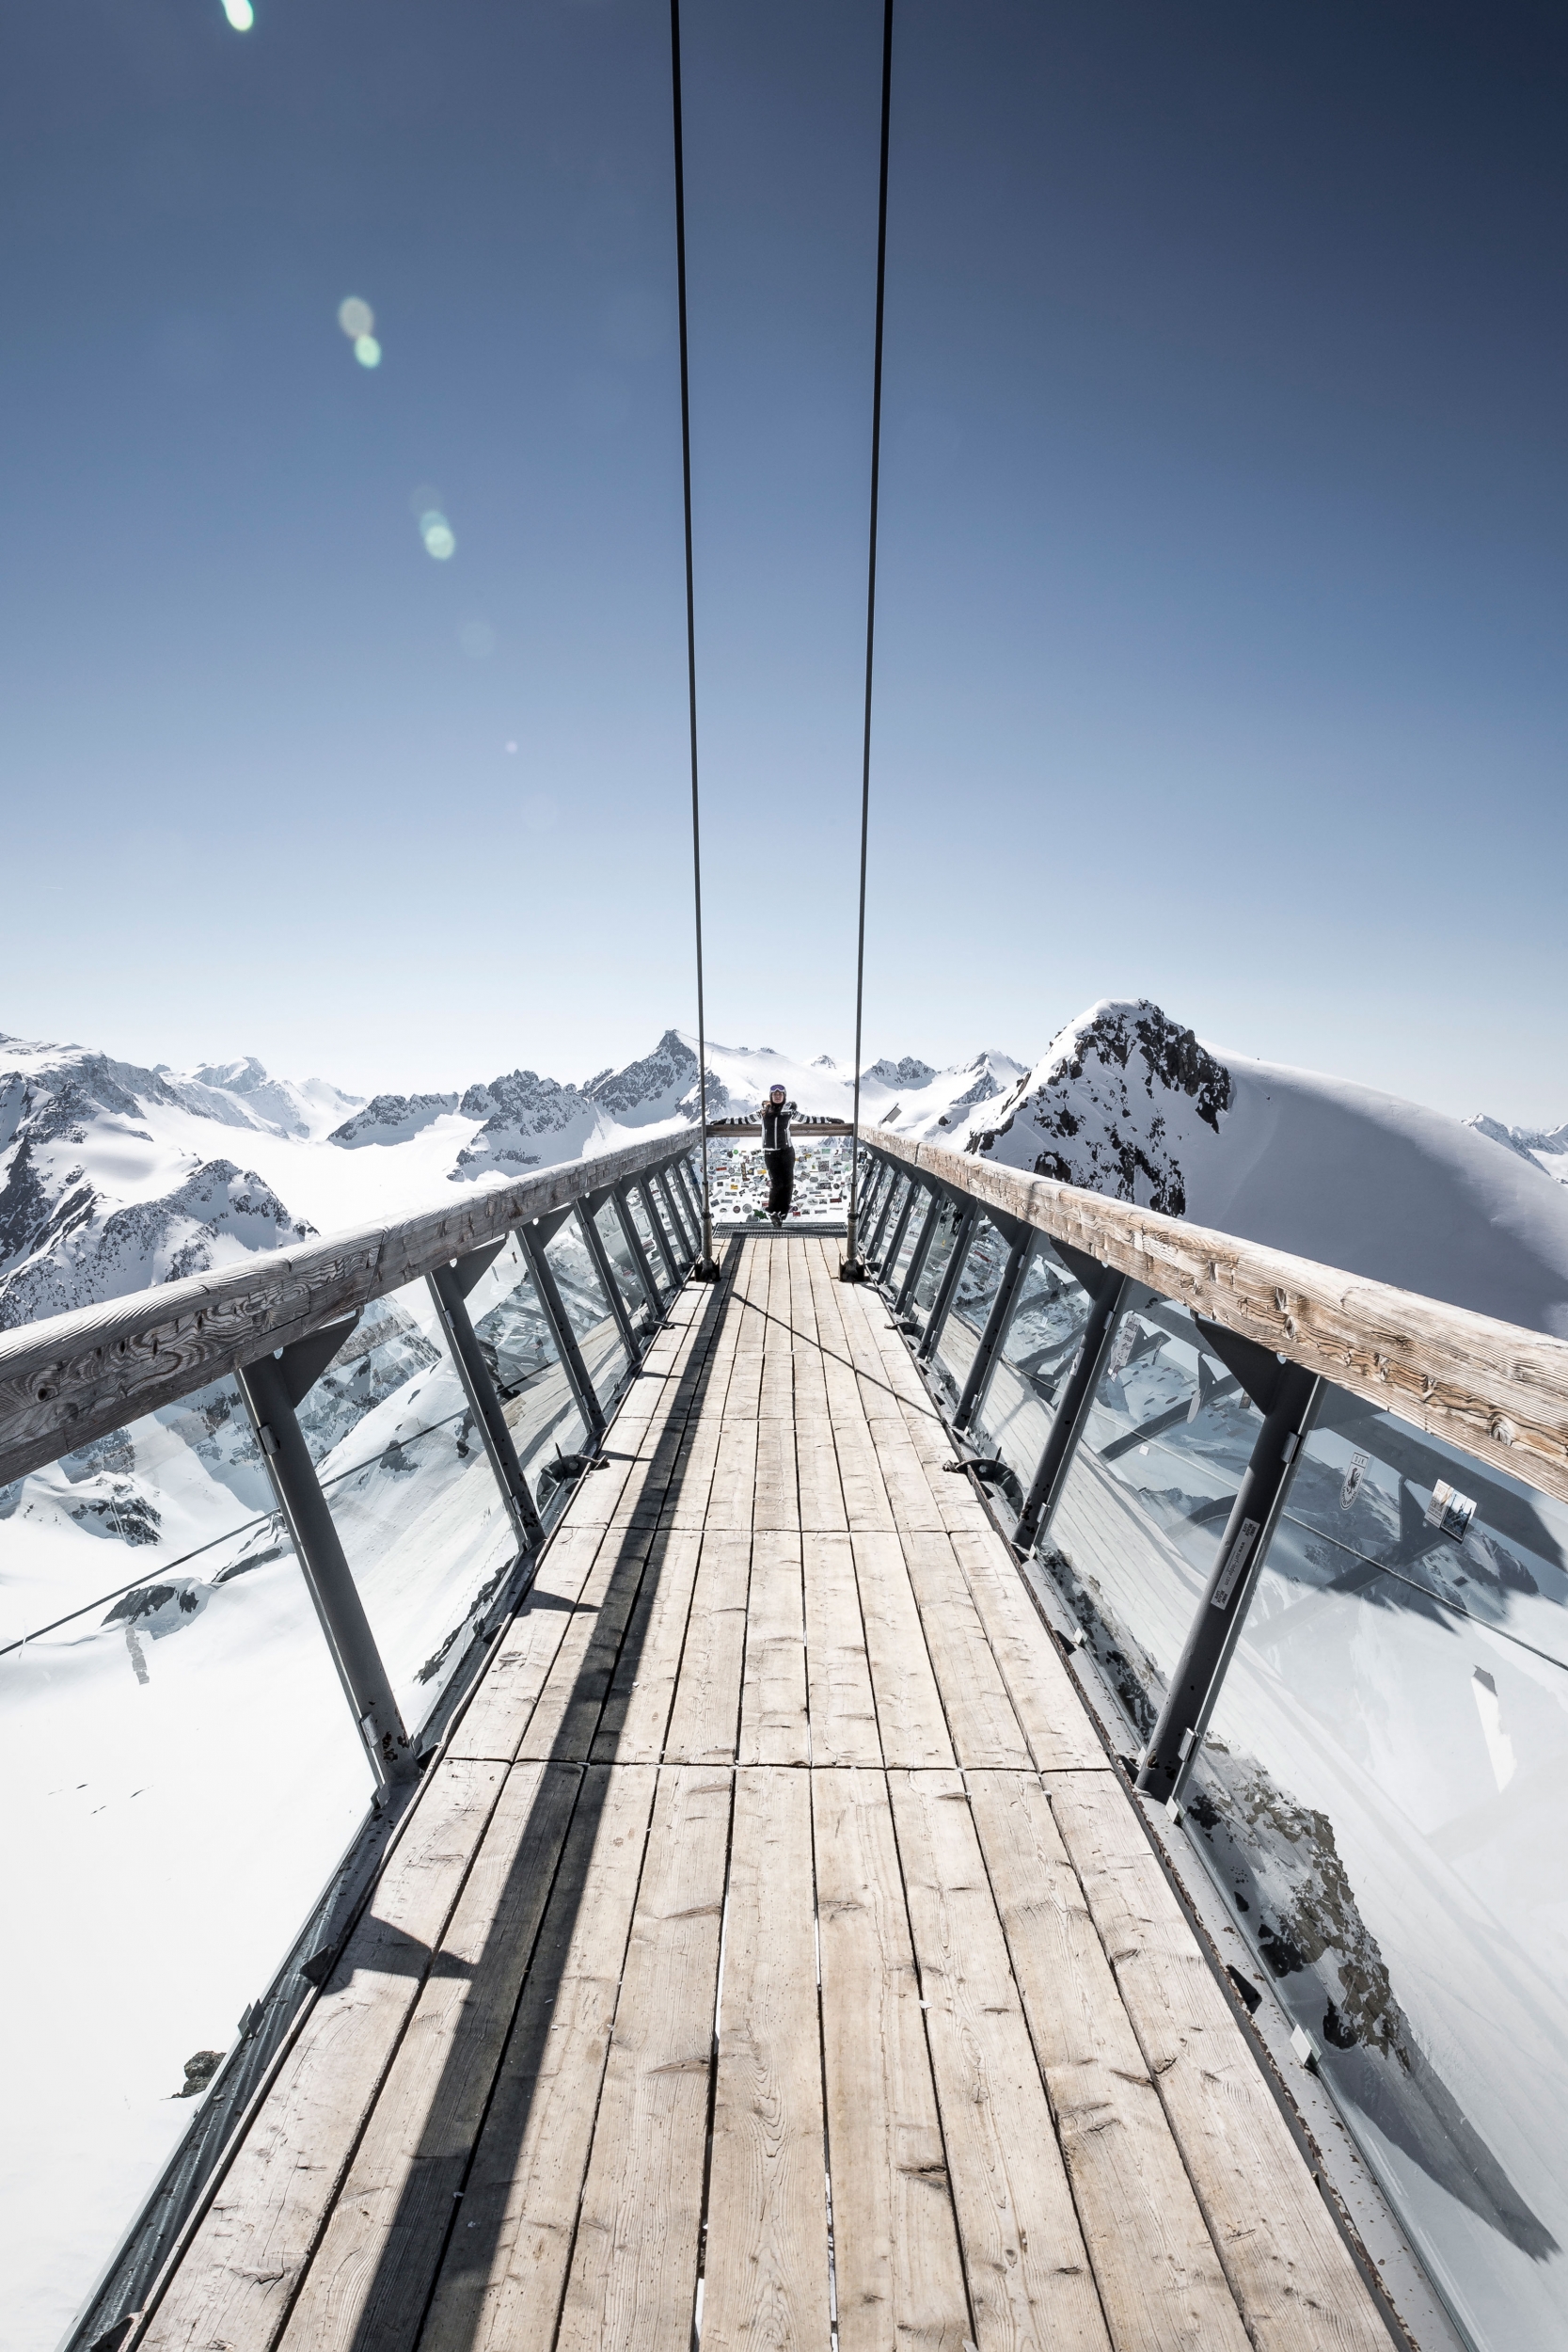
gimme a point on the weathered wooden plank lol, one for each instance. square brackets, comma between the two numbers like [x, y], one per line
[497, 1716]
[246, 2260]
[777, 1499]
[633, 2280]
[1288, 2267]
[562, 1726]
[704, 1721]
[504, 2274]
[637, 1710]
[909, 1714]
[1046, 1701]
[734, 1478]
[767, 2267]
[980, 1719]
[838, 1676]
[774, 1725]
[861, 1481]
[1161, 2281]
[1029, 2277]
[1498, 1391]
[70, 1377]
[368, 2281]
[896, 2241]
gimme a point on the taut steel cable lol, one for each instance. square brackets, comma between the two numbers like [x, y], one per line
[706, 1263]
[853, 1267]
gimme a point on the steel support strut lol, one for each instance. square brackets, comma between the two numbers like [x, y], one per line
[670, 1195]
[946, 1288]
[271, 1394]
[900, 1227]
[1073, 1410]
[561, 1327]
[996, 1330]
[705, 1265]
[635, 1251]
[921, 1249]
[605, 1272]
[449, 1289]
[663, 1241]
[666, 1230]
[1289, 1403]
[884, 1207]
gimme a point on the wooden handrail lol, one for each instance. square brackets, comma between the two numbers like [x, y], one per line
[1497, 1390]
[73, 1377]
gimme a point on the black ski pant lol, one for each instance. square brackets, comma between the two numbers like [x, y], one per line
[781, 1179]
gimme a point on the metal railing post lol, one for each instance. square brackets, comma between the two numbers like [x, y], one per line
[969, 1219]
[900, 1227]
[996, 1329]
[561, 1327]
[883, 1208]
[921, 1249]
[605, 1272]
[448, 1290]
[270, 1397]
[635, 1251]
[1195, 1686]
[681, 1170]
[1073, 1411]
[661, 1239]
[667, 1193]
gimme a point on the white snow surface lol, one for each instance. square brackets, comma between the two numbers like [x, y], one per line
[1129, 1102]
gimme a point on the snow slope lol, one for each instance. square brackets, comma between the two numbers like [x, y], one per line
[113, 1177]
[1129, 1102]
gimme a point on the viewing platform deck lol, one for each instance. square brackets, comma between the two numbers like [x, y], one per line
[772, 1955]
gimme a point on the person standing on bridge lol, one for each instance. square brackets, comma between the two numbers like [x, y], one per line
[778, 1153]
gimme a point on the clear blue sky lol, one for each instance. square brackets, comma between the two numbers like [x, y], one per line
[1224, 556]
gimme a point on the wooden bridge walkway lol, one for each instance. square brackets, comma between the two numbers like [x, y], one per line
[773, 1953]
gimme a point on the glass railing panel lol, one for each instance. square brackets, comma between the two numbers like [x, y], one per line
[944, 1240]
[181, 1775]
[514, 1337]
[634, 1297]
[1381, 1795]
[1145, 1501]
[985, 1261]
[649, 1247]
[890, 1224]
[1039, 1347]
[892, 1275]
[593, 1327]
[417, 1508]
[673, 1239]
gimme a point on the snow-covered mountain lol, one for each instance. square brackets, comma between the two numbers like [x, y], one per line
[1128, 1102]
[1545, 1148]
[112, 1176]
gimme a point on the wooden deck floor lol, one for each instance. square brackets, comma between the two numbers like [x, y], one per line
[772, 1950]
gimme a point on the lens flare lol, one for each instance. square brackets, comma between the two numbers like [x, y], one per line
[356, 318]
[240, 14]
[437, 535]
[367, 351]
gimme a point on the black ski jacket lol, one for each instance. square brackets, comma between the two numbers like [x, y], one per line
[775, 1125]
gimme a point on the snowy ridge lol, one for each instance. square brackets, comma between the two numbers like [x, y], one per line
[109, 1178]
[1128, 1103]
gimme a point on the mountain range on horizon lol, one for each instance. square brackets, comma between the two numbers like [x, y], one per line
[112, 1177]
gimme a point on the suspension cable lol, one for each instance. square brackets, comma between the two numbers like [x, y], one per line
[706, 1263]
[853, 1267]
